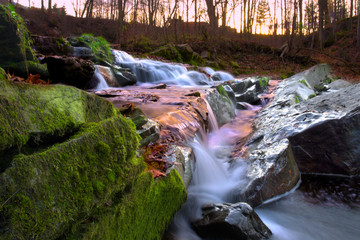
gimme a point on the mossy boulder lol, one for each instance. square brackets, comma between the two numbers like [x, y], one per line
[16, 55]
[60, 186]
[33, 113]
[68, 174]
[15, 41]
[168, 52]
[99, 46]
[143, 213]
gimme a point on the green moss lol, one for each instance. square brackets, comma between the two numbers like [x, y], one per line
[45, 112]
[168, 52]
[23, 68]
[99, 46]
[312, 95]
[304, 82]
[264, 81]
[234, 65]
[68, 182]
[143, 213]
[296, 99]
[15, 41]
[223, 93]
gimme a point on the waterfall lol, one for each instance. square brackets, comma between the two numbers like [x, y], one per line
[100, 80]
[150, 71]
[213, 178]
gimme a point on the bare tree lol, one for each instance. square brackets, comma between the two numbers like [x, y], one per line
[49, 6]
[211, 5]
[322, 6]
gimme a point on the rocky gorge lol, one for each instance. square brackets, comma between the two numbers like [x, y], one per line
[119, 160]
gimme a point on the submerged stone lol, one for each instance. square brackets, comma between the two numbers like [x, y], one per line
[231, 221]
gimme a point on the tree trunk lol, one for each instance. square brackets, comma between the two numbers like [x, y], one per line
[49, 6]
[301, 17]
[351, 13]
[224, 13]
[321, 23]
[211, 13]
[293, 27]
[358, 28]
[282, 19]
[42, 5]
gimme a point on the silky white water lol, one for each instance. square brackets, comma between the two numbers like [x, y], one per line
[150, 71]
[213, 179]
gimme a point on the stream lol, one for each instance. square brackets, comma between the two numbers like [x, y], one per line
[300, 214]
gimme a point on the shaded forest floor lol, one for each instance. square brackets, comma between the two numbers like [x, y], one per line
[241, 55]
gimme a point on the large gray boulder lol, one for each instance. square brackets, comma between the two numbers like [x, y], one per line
[328, 141]
[296, 129]
[231, 221]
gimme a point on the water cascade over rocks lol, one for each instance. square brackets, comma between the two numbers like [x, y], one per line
[150, 71]
[234, 172]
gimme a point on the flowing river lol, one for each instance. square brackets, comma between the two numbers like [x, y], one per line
[329, 210]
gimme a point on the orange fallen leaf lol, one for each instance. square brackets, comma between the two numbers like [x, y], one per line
[156, 173]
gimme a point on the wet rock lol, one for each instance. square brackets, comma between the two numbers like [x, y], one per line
[159, 86]
[318, 74]
[338, 84]
[247, 90]
[181, 161]
[83, 52]
[328, 143]
[221, 105]
[108, 75]
[69, 70]
[230, 93]
[249, 96]
[231, 221]
[318, 135]
[124, 76]
[221, 76]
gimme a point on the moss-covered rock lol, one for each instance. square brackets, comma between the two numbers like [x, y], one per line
[99, 46]
[62, 185]
[39, 113]
[168, 52]
[15, 42]
[143, 213]
[22, 69]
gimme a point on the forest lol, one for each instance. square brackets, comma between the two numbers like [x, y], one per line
[325, 30]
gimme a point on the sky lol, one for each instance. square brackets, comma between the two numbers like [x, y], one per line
[59, 3]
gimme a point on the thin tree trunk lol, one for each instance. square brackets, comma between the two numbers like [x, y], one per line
[321, 23]
[42, 5]
[293, 27]
[301, 18]
[49, 6]
[351, 13]
[358, 28]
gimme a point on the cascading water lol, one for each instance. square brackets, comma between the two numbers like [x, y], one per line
[149, 71]
[100, 80]
[292, 217]
[213, 179]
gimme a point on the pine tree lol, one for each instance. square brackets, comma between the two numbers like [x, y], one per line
[263, 12]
